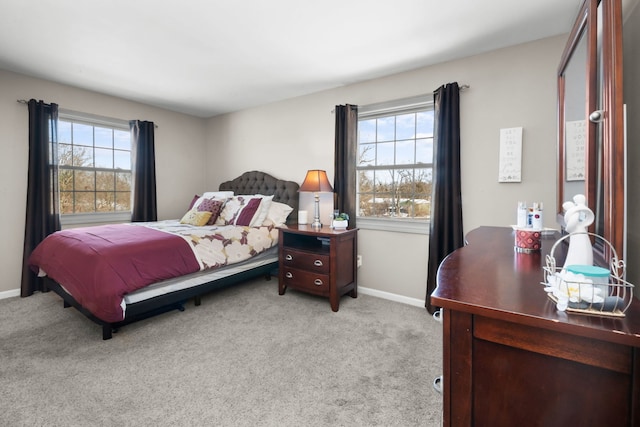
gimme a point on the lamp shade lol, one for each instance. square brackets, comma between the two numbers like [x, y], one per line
[316, 182]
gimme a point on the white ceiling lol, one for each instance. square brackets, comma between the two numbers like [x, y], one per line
[208, 57]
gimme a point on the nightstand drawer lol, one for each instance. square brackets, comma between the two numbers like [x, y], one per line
[305, 279]
[306, 261]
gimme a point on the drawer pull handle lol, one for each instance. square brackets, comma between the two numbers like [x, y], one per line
[318, 263]
[288, 257]
[317, 282]
[288, 275]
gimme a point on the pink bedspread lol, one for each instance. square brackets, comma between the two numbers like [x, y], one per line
[99, 265]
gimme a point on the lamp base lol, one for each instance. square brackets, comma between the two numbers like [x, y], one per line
[316, 214]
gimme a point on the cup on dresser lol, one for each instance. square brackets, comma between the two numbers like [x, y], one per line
[303, 217]
[527, 240]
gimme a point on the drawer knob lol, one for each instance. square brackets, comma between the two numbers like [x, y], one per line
[318, 263]
[288, 257]
[288, 275]
[317, 282]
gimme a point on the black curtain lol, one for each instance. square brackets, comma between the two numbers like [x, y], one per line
[445, 234]
[144, 203]
[346, 151]
[42, 216]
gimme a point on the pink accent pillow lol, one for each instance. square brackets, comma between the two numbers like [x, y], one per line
[248, 212]
[193, 202]
[213, 206]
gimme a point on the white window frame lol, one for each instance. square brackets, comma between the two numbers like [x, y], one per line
[96, 217]
[395, 107]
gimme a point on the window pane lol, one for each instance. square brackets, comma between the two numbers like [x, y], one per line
[104, 158]
[122, 159]
[405, 152]
[123, 201]
[84, 181]
[366, 154]
[65, 180]
[424, 182]
[367, 131]
[64, 132]
[123, 181]
[103, 137]
[105, 201]
[406, 126]
[82, 134]
[65, 155]
[424, 123]
[85, 202]
[121, 139]
[385, 154]
[424, 150]
[66, 202]
[365, 181]
[82, 156]
[384, 181]
[386, 128]
[105, 181]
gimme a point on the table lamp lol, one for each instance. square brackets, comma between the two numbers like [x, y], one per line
[316, 182]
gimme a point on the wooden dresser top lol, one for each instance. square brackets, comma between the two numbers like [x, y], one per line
[487, 277]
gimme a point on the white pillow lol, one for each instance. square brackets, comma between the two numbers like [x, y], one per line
[278, 213]
[219, 195]
[261, 215]
[247, 209]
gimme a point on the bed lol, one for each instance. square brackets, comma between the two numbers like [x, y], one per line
[104, 272]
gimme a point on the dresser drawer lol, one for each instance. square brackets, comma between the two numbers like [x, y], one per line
[306, 261]
[311, 281]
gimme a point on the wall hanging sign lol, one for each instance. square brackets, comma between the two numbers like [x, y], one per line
[575, 140]
[510, 169]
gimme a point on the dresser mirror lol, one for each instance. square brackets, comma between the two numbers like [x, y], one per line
[590, 120]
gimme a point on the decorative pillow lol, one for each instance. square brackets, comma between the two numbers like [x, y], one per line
[218, 194]
[194, 217]
[211, 205]
[265, 205]
[278, 213]
[193, 201]
[244, 210]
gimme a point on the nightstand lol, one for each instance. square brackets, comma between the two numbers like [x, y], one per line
[318, 261]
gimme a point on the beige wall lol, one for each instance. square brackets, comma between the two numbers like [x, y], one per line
[509, 88]
[180, 164]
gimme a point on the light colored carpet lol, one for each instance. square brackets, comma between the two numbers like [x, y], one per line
[245, 357]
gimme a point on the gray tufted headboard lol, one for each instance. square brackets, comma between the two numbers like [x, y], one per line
[256, 182]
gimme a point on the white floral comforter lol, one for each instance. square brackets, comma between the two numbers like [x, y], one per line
[219, 245]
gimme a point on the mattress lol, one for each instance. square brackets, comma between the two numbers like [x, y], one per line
[200, 277]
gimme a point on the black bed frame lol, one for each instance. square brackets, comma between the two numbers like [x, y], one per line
[253, 182]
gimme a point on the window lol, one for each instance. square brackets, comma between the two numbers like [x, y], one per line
[395, 164]
[94, 173]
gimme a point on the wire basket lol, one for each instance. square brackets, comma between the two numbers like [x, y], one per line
[611, 299]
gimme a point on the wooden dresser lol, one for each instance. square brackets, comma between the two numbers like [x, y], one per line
[512, 359]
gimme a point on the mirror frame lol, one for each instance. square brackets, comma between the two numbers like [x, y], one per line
[605, 170]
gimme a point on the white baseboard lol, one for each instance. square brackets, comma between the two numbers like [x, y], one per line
[393, 297]
[367, 291]
[9, 294]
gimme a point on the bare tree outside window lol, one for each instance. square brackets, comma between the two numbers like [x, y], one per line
[395, 164]
[94, 173]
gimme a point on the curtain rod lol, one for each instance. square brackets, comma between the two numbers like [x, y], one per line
[23, 101]
[462, 88]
